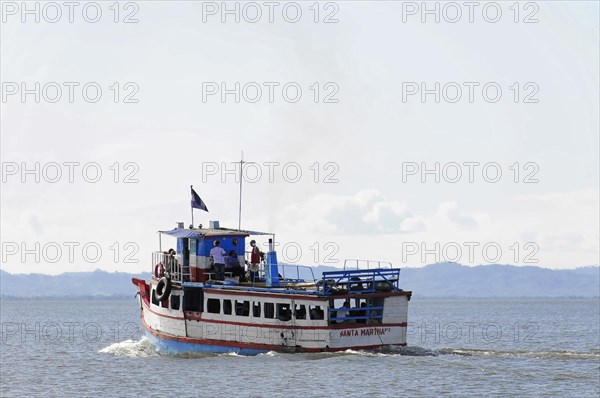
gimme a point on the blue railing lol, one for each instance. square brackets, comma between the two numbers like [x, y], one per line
[359, 281]
[374, 312]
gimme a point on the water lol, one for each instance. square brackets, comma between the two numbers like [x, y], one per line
[461, 348]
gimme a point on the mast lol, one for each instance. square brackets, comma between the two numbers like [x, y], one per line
[241, 179]
[192, 207]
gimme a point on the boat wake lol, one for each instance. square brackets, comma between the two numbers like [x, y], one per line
[130, 348]
[415, 351]
[409, 351]
[143, 348]
[383, 352]
[552, 354]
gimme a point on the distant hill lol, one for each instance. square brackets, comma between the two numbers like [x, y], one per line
[442, 280]
[500, 281]
[90, 285]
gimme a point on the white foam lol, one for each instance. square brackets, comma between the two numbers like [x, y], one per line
[129, 348]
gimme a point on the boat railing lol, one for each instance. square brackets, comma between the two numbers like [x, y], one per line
[290, 273]
[357, 313]
[366, 264]
[359, 281]
[172, 266]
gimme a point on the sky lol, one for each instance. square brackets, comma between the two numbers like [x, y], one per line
[374, 130]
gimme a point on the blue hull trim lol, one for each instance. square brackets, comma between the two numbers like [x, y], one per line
[176, 347]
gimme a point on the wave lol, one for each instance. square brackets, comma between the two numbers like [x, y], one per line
[133, 349]
[410, 351]
[144, 348]
[269, 354]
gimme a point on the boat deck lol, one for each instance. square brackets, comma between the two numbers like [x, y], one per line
[333, 283]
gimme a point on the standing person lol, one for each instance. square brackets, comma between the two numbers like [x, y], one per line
[218, 255]
[254, 261]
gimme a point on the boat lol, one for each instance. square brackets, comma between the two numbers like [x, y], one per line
[283, 308]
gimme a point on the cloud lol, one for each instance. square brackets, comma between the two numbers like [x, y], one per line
[569, 222]
[35, 225]
[366, 212]
[450, 211]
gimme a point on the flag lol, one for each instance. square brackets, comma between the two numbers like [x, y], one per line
[197, 202]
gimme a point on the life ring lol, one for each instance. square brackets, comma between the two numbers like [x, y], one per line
[159, 270]
[163, 289]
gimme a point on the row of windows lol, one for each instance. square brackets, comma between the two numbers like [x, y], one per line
[365, 310]
[359, 310]
[281, 311]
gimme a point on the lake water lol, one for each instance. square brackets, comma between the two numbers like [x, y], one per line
[462, 348]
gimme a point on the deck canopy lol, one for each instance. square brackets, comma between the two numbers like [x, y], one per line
[200, 233]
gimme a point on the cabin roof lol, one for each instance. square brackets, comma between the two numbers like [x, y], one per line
[199, 233]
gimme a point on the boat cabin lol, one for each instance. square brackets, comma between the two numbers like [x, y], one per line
[190, 262]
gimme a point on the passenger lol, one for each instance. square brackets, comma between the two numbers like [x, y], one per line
[314, 314]
[218, 256]
[354, 285]
[343, 313]
[354, 313]
[301, 312]
[285, 314]
[362, 313]
[233, 265]
[171, 259]
[317, 313]
[254, 261]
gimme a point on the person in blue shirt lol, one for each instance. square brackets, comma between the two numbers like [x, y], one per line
[232, 264]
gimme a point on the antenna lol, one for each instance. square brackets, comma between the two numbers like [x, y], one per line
[242, 162]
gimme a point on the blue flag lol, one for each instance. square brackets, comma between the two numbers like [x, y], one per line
[197, 202]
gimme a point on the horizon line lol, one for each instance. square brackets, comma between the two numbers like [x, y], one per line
[321, 265]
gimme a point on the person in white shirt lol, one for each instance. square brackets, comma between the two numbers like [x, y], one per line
[218, 255]
[343, 313]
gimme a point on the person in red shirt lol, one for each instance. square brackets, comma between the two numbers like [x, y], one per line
[254, 261]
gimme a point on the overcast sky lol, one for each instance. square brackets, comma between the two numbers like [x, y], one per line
[360, 131]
